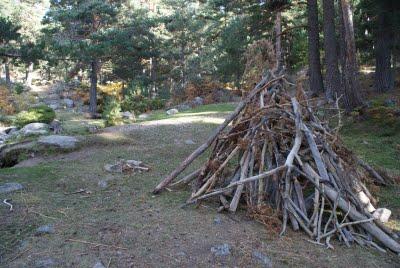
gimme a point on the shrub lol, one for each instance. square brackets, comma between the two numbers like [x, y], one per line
[18, 88]
[140, 104]
[112, 112]
[6, 104]
[42, 114]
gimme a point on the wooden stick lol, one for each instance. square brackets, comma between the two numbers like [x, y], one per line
[178, 170]
[95, 244]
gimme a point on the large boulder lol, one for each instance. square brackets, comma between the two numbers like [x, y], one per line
[35, 129]
[59, 141]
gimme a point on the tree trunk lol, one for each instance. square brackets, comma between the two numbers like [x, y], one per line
[93, 88]
[351, 84]
[278, 40]
[7, 71]
[28, 75]
[332, 77]
[316, 83]
[384, 80]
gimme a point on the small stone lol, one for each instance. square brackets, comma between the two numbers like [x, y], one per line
[54, 106]
[382, 214]
[69, 103]
[262, 258]
[198, 101]
[98, 264]
[143, 116]
[102, 184]
[172, 111]
[128, 115]
[183, 107]
[46, 263]
[45, 229]
[221, 250]
[10, 187]
[113, 168]
[189, 142]
[217, 220]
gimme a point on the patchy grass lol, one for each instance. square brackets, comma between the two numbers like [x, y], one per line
[204, 110]
[125, 213]
[378, 145]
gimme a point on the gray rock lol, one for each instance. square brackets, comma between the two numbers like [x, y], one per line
[45, 229]
[63, 142]
[46, 263]
[143, 116]
[8, 130]
[10, 187]
[189, 142]
[221, 250]
[35, 129]
[68, 103]
[172, 111]
[198, 101]
[262, 258]
[389, 103]
[54, 106]
[183, 107]
[217, 221]
[102, 184]
[128, 115]
[382, 214]
[98, 264]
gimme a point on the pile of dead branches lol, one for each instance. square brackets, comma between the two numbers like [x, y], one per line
[278, 154]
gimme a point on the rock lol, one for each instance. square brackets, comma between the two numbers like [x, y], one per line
[54, 106]
[102, 184]
[217, 221]
[45, 263]
[35, 129]
[189, 142]
[172, 111]
[198, 101]
[8, 130]
[143, 116]
[113, 168]
[98, 264]
[128, 115]
[68, 103]
[390, 103]
[382, 214]
[183, 107]
[262, 258]
[63, 142]
[221, 250]
[55, 126]
[10, 187]
[45, 229]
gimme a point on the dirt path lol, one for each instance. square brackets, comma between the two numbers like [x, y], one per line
[120, 223]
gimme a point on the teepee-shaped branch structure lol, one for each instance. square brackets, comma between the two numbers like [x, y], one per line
[277, 153]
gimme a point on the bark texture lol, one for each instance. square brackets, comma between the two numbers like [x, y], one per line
[351, 84]
[316, 83]
[384, 80]
[93, 87]
[332, 76]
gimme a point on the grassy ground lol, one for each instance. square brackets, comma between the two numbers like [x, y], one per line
[129, 227]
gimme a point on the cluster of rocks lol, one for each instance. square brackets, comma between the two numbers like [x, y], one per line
[61, 96]
[187, 105]
[32, 129]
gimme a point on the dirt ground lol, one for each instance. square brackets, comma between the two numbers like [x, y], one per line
[119, 223]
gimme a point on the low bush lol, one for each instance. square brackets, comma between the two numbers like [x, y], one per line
[139, 104]
[112, 112]
[41, 114]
